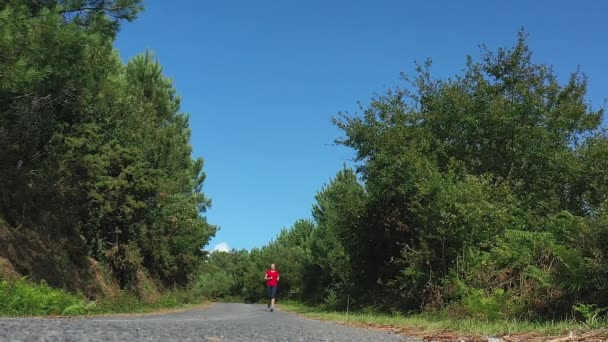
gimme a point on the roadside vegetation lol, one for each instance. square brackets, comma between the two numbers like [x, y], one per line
[482, 198]
[476, 202]
[99, 193]
[440, 326]
[23, 298]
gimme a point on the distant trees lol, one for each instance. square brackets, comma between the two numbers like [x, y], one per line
[95, 154]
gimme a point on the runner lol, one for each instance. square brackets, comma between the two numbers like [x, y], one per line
[272, 280]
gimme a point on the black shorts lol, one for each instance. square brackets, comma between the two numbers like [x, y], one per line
[272, 292]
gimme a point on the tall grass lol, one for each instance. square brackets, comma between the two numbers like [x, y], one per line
[436, 321]
[22, 298]
[19, 298]
[129, 302]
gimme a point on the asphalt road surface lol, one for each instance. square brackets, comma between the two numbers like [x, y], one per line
[220, 322]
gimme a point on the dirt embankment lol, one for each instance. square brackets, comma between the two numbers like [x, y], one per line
[62, 263]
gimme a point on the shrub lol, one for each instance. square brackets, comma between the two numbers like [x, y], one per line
[213, 285]
[23, 298]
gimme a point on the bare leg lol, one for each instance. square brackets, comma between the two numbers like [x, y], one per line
[272, 303]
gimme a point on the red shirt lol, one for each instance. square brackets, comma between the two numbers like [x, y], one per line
[274, 277]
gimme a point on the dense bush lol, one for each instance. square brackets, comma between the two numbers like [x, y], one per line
[96, 162]
[22, 298]
[483, 195]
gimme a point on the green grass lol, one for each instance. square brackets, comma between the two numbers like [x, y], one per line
[436, 322]
[24, 298]
[128, 302]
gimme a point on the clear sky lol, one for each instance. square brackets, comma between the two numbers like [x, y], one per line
[262, 79]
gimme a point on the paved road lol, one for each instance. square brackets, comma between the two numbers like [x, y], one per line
[220, 322]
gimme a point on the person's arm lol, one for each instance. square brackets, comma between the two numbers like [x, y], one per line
[266, 277]
[278, 276]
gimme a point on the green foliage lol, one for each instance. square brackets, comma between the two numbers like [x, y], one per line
[241, 273]
[482, 189]
[441, 324]
[538, 274]
[329, 276]
[214, 285]
[593, 316]
[129, 302]
[291, 254]
[96, 159]
[482, 195]
[22, 298]
[483, 306]
[226, 275]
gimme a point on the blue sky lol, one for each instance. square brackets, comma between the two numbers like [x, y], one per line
[261, 81]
